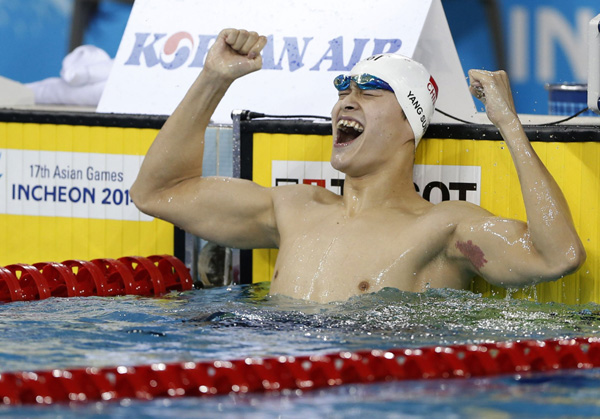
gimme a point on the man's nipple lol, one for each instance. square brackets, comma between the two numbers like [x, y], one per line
[364, 286]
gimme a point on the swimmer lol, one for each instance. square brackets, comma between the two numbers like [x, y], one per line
[380, 232]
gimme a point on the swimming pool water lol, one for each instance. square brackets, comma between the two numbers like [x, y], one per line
[242, 321]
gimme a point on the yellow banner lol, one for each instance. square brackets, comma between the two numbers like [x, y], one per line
[575, 166]
[65, 194]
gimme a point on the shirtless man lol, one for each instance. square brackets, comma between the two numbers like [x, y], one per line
[380, 233]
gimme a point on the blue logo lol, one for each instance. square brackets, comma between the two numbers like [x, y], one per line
[175, 52]
[183, 49]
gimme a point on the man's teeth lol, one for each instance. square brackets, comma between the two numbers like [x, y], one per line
[350, 124]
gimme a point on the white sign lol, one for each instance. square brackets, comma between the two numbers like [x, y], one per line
[309, 43]
[436, 183]
[66, 184]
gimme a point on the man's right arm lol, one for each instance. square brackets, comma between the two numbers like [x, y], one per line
[170, 186]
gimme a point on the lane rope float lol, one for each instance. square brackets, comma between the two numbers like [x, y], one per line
[130, 275]
[276, 374]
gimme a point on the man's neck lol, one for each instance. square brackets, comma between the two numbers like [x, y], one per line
[385, 189]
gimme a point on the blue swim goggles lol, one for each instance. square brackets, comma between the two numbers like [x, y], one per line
[363, 81]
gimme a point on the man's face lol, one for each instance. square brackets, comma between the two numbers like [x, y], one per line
[369, 128]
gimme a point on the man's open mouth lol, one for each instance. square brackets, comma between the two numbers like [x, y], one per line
[347, 131]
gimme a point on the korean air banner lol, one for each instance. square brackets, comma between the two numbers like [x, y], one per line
[309, 43]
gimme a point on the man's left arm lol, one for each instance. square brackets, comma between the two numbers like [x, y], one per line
[545, 248]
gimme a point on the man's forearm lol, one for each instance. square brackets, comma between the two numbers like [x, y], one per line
[550, 225]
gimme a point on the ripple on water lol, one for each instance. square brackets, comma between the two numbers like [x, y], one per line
[241, 321]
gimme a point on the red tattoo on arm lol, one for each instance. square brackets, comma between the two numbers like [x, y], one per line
[472, 252]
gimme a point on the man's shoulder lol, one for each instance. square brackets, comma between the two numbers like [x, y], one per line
[301, 193]
[459, 210]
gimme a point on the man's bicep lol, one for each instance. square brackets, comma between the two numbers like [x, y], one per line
[228, 211]
[498, 249]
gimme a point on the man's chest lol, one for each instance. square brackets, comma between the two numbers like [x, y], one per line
[345, 256]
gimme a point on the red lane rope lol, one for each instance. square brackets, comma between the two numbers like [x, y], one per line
[159, 274]
[206, 378]
[130, 275]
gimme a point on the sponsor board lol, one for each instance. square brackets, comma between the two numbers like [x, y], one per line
[165, 44]
[66, 184]
[435, 183]
[64, 194]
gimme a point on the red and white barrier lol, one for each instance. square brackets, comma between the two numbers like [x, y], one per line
[130, 275]
[296, 373]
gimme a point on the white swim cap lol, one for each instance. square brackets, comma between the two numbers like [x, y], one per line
[415, 89]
